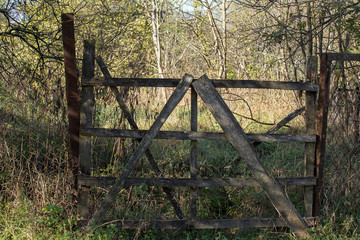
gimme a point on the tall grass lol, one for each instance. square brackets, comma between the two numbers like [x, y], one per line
[35, 177]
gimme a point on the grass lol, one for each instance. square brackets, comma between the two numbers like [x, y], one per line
[36, 196]
[18, 220]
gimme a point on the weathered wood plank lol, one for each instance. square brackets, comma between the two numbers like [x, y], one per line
[134, 126]
[274, 128]
[286, 120]
[243, 223]
[240, 142]
[86, 113]
[198, 182]
[193, 152]
[179, 135]
[171, 82]
[343, 57]
[264, 85]
[87, 105]
[72, 93]
[321, 127]
[310, 124]
[175, 98]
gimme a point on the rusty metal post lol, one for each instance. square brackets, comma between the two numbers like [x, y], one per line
[72, 92]
[321, 126]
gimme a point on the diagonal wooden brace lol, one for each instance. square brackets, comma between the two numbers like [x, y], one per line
[272, 130]
[133, 125]
[237, 137]
[173, 101]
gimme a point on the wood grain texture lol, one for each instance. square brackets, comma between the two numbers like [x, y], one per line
[133, 125]
[193, 152]
[173, 101]
[310, 124]
[241, 143]
[87, 106]
[86, 115]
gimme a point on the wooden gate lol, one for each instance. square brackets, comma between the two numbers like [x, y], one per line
[232, 131]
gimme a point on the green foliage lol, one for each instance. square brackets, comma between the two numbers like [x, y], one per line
[266, 43]
[108, 232]
[18, 220]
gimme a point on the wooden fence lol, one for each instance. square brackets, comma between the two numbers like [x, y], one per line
[316, 111]
[206, 89]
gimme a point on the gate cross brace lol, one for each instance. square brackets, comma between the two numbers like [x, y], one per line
[173, 101]
[134, 126]
[237, 137]
[272, 130]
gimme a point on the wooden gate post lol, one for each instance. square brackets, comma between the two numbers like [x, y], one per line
[86, 117]
[310, 124]
[240, 142]
[193, 153]
[72, 92]
[321, 126]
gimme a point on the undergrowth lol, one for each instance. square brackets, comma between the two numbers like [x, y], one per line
[37, 200]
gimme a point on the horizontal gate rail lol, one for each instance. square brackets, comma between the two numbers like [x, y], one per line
[173, 82]
[237, 137]
[272, 186]
[243, 223]
[199, 182]
[133, 125]
[343, 57]
[191, 135]
[173, 101]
